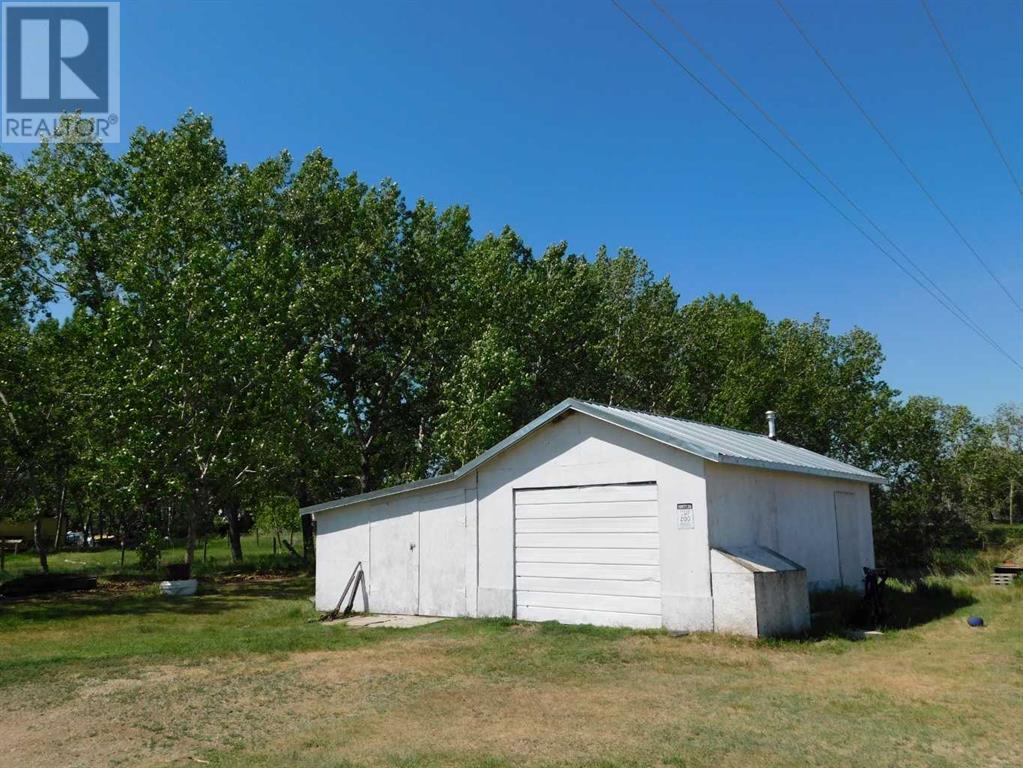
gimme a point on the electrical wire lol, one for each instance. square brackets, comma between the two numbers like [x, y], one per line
[710, 92]
[887, 142]
[948, 302]
[973, 99]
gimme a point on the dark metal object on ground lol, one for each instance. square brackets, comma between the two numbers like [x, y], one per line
[179, 572]
[873, 595]
[357, 579]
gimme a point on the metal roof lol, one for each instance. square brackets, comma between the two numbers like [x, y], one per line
[718, 444]
[731, 446]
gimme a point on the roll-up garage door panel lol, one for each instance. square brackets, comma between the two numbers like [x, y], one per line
[586, 493]
[588, 554]
[595, 586]
[600, 618]
[618, 509]
[595, 556]
[645, 524]
[589, 540]
[592, 602]
[590, 571]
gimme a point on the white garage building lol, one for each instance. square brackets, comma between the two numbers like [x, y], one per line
[594, 514]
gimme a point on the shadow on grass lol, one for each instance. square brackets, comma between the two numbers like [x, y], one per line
[923, 602]
[143, 600]
[905, 605]
[279, 587]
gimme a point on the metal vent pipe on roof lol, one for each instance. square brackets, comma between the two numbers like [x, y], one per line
[772, 419]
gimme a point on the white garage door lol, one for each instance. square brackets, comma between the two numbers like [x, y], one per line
[588, 555]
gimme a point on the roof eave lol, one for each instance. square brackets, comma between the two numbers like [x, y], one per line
[722, 458]
[451, 477]
[777, 466]
[347, 501]
[651, 434]
[585, 408]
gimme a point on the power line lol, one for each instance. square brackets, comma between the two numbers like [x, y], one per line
[884, 138]
[948, 302]
[710, 92]
[973, 99]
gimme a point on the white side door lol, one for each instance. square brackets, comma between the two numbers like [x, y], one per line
[849, 527]
[443, 537]
[393, 576]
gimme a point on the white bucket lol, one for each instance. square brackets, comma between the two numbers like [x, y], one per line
[182, 588]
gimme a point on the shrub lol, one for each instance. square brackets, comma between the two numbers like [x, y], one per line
[149, 551]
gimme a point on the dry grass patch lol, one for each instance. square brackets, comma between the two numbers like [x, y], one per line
[247, 680]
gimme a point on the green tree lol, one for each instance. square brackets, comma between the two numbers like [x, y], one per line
[242, 334]
[279, 517]
[480, 402]
[376, 300]
[922, 447]
[33, 448]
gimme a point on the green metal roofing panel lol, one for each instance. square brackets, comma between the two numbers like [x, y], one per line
[717, 444]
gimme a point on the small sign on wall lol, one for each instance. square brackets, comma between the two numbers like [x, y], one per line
[686, 519]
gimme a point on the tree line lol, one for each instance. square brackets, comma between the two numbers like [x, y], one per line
[242, 333]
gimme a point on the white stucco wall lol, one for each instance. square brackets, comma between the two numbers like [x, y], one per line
[450, 549]
[794, 515]
[735, 597]
[576, 450]
[392, 536]
[783, 603]
[580, 450]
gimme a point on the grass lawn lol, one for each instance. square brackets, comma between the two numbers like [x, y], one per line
[258, 555]
[243, 676]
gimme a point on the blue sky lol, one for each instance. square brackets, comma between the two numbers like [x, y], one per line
[562, 121]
